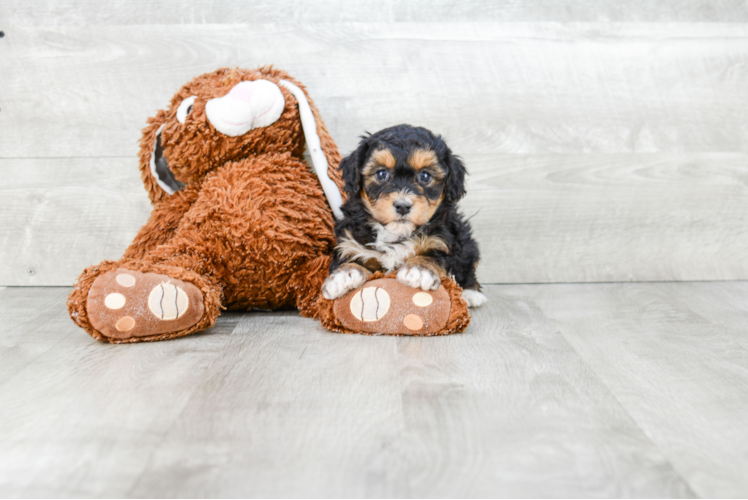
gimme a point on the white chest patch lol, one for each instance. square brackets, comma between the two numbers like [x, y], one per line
[394, 246]
[390, 249]
[392, 256]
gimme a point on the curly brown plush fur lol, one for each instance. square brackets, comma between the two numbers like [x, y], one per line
[250, 229]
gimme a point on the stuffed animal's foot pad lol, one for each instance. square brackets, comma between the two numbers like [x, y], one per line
[124, 303]
[387, 306]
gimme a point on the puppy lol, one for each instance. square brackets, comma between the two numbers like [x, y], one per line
[403, 185]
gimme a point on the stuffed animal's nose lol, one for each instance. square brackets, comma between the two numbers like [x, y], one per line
[242, 91]
[402, 207]
[248, 105]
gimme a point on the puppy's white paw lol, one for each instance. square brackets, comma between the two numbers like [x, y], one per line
[418, 277]
[341, 281]
[474, 298]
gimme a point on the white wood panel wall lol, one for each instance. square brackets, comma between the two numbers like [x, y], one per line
[118, 12]
[605, 143]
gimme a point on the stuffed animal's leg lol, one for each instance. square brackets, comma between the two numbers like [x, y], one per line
[306, 285]
[139, 301]
[162, 224]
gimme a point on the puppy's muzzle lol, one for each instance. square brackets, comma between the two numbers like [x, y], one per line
[403, 206]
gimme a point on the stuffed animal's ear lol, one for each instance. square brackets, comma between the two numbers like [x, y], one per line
[322, 149]
[327, 144]
[455, 187]
[328, 147]
[147, 145]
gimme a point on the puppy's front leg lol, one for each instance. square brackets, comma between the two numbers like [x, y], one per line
[345, 278]
[421, 272]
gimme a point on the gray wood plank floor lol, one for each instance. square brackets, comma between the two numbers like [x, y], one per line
[587, 390]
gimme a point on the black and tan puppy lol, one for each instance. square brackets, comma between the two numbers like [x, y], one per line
[403, 185]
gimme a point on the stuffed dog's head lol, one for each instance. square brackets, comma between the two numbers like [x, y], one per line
[223, 116]
[403, 175]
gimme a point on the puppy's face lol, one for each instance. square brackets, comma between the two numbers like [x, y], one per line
[402, 186]
[403, 175]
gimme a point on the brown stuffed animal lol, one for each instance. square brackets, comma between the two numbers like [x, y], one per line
[239, 221]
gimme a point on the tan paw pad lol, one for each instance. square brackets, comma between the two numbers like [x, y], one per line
[126, 280]
[413, 322]
[125, 324]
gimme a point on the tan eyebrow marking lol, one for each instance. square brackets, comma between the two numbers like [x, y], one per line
[379, 158]
[422, 158]
[384, 157]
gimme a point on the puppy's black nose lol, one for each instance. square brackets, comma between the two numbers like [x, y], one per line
[403, 206]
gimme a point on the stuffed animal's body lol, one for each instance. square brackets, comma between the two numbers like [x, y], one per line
[240, 220]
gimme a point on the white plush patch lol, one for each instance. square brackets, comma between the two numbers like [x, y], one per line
[370, 304]
[319, 161]
[184, 108]
[418, 277]
[342, 281]
[247, 106]
[422, 299]
[474, 298]
[115, 301]
[168, 301]
[126, 280]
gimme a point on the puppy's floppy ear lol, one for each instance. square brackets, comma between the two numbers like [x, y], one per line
[454, 189]
[351, 168]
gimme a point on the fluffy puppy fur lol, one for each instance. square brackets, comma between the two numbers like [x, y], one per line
[403, 184]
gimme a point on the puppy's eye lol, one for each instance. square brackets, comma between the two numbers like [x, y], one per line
[424, 177]
[185, 108]
[382, 175]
